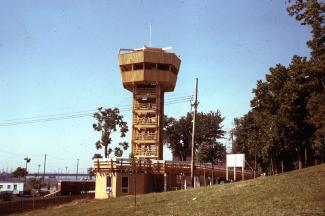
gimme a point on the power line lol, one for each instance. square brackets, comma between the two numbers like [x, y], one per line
[121, 107]
[80, 114]
[57, 115]
[3, 151]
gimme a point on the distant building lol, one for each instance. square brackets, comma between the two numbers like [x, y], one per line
[14, 187]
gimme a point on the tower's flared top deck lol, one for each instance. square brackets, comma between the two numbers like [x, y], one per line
[149, 65]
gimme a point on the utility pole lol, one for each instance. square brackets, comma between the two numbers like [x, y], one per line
[39, 165]
[77, 168]
[27, 159]
[193, 133]
[44, 167]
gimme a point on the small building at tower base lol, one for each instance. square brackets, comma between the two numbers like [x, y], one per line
[116, 177]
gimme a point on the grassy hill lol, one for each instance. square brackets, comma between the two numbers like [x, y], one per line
[300, 192]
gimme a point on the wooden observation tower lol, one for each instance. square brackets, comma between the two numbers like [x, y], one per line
[148, 73]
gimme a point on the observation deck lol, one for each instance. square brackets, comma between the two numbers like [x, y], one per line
[149, 65]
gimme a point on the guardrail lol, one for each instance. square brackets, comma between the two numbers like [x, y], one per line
[161, 167]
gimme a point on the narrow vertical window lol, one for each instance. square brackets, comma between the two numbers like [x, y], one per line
[108, 184]
[125, 184]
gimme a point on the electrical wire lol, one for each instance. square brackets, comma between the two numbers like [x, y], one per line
[79, 114]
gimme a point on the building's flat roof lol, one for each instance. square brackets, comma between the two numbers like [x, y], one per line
[146, 48]
[1, 182]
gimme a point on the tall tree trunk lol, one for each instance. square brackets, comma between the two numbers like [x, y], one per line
[255, 164]
[276, 167]
[282, 168]
[299, 161]
[106, 156]
[272, 168]
[181, 157]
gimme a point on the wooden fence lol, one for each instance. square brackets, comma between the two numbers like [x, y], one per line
[27, 204]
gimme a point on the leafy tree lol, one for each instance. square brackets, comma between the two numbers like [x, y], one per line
[178, 133]
[213, 152]
[277, 127]
[108, 121]
[316, 108]
[177, 136]
[311, 12]
[35, 183]
[20, 172]
[97, 156]
[287, 121]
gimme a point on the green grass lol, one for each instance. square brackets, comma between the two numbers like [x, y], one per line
[300, 192]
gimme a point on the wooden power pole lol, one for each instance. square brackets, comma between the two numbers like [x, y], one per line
[193, 133]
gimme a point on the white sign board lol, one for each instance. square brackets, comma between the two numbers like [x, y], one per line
[235, 160]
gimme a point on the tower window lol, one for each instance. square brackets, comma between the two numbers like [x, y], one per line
[164, 67]
[127, 67]
[149, 66]
[138, 66]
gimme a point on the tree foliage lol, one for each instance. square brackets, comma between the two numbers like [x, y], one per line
[311, 13]
[287, 121]
[109, 121]
[35, 183]
[212, 152]
[178, 135]
[20, 172]
[97, 156]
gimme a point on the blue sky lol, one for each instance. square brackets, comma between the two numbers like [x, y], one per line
[61, 56]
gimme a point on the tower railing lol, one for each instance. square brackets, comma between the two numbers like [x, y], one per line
[146, 136]
[144, 152]
[146, 120]
[145, 106]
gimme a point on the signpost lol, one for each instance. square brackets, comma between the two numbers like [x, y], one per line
[235, 160]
